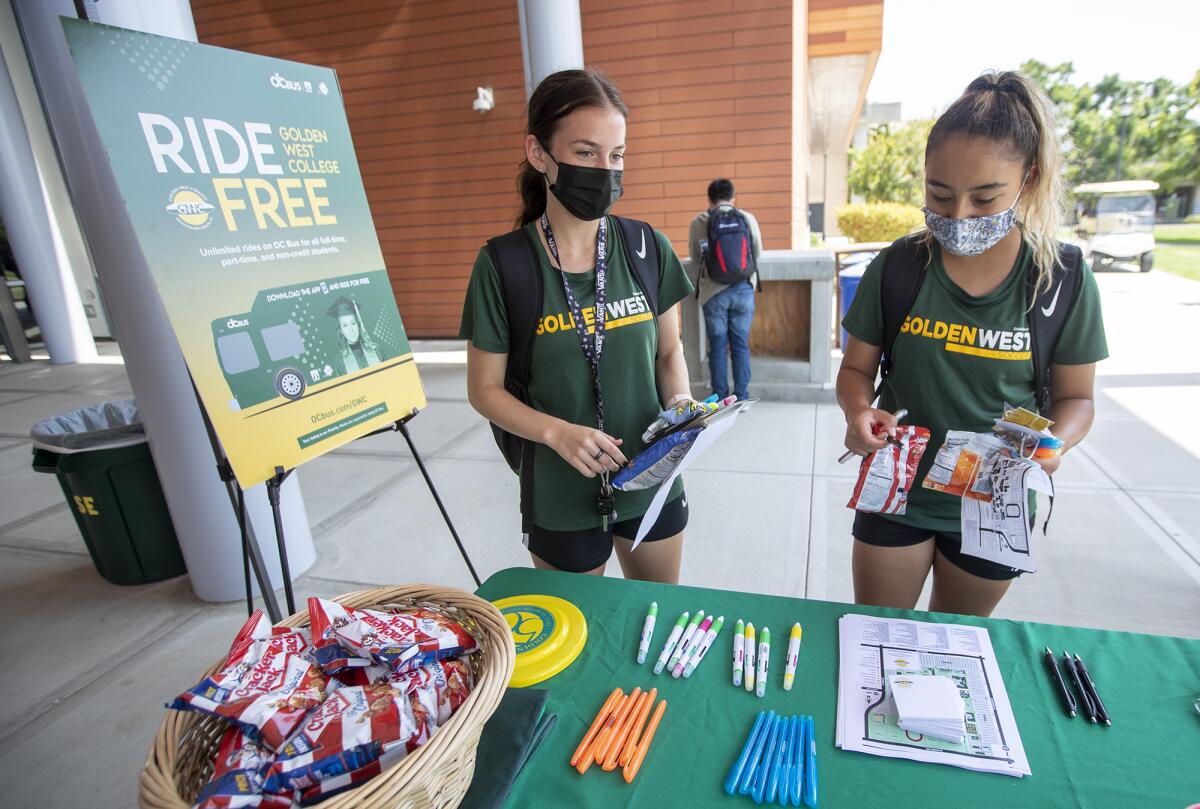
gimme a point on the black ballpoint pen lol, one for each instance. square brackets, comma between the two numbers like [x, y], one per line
[1092, 692]
[1083, 694]
[1064, 694]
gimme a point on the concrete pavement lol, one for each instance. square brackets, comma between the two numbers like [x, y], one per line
[90, 664]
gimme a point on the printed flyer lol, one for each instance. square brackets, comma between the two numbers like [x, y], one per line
[239, 176]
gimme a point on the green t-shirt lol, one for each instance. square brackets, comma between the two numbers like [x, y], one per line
[959, 358]
[560, 381]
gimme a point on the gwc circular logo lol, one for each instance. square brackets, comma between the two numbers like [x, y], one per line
[190, 207]
[531, 626]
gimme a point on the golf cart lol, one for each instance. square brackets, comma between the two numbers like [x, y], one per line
[1116, 222]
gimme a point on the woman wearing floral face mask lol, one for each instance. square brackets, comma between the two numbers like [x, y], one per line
[993, 207]
[606, 356]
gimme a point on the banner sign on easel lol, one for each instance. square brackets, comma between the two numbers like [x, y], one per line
[240, 179]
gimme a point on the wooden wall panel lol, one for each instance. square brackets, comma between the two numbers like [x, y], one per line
[440, 178]
[708, 83]
[840, 27]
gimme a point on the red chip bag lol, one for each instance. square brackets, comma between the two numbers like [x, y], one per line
[239, 770]
[886, 475]
[356, 726]
[266, 687]
[402, 641]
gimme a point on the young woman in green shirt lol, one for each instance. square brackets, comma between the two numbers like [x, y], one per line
[993, 208]
[575, 149]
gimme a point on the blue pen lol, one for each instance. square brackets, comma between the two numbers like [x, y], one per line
[735, 773]
[778, 765]
[787, 777]
[810, 765]
[752, 763]
[711, 399]
[764, 769]
[798, 761]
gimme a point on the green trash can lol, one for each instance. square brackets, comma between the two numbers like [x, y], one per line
[103, 464]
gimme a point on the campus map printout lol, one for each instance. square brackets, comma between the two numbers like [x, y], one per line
[872, 649]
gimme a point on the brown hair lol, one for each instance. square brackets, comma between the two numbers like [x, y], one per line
[557, 96]
[1010, 109]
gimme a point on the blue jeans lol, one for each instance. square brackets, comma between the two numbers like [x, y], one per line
[727, 317]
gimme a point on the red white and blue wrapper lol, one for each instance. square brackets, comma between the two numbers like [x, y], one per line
[266, 687]
[355, 727]
[402, 641]
[238, 774]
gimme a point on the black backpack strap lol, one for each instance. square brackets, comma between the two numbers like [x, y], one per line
[1049, 314]
[903, 273]
[641, 252]
[515, 258]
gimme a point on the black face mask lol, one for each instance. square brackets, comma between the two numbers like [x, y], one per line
[586, 192]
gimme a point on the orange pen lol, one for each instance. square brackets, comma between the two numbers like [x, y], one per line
[618, 745]
[639, 722]
[631, 769]
[610, 735]
[589, 752]
[597, 723]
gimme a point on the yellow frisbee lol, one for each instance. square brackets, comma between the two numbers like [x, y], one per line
[549, 634]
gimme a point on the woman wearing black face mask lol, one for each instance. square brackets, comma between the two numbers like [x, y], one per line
[605, 358]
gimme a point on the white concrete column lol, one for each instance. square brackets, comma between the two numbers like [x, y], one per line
[551, 38]
[800, 147]
[200, 509]
[49, 281]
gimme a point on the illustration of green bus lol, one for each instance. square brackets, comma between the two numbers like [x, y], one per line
[296, 337]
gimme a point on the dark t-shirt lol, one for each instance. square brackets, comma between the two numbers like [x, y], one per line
[959, 358]
[560, 381]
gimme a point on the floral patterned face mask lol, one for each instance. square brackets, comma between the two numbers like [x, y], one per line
[973, 235]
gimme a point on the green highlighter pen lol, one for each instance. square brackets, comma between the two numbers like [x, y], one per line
[686, 641]
[669, 646]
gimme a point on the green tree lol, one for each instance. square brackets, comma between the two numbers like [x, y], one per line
[891, 167]
[1162, 130]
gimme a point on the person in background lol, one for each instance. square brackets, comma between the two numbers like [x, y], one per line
[993, 210]
[724, 243]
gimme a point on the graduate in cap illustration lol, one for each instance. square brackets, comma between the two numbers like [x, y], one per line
[357, 349]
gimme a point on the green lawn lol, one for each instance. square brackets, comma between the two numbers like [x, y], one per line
[1178, 250]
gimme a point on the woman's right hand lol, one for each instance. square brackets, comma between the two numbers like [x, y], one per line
[868, 429]
[579, 446]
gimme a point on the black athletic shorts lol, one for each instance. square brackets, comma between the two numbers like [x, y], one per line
[581, 551]
[876, 530]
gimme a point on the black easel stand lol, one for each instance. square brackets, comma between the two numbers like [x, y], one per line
[251, 553]
[401, 426]
[273, 485]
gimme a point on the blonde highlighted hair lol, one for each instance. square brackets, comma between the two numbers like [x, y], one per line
[1007, 108]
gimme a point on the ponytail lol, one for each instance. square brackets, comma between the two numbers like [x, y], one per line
[557, 96]
[1009, 109]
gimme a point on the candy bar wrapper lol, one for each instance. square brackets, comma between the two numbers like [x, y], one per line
[267, 687]
[402, 641]
[887, 474]
[355, 727]
[964, 463]
[259, 627]
[239, 770]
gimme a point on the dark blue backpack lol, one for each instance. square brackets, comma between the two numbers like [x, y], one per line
[729, 256]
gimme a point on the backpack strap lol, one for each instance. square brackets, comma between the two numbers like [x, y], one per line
[1049, 314]
[900, 282]
[516, 261]
[642, 259]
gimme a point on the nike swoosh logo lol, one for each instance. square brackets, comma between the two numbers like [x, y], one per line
[1047, 311]
[642, 253]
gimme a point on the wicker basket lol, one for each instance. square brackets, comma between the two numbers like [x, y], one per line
[436, 776]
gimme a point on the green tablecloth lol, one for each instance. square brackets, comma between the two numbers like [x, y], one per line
[1150, 757]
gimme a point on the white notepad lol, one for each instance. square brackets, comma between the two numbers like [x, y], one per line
[930, 705]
